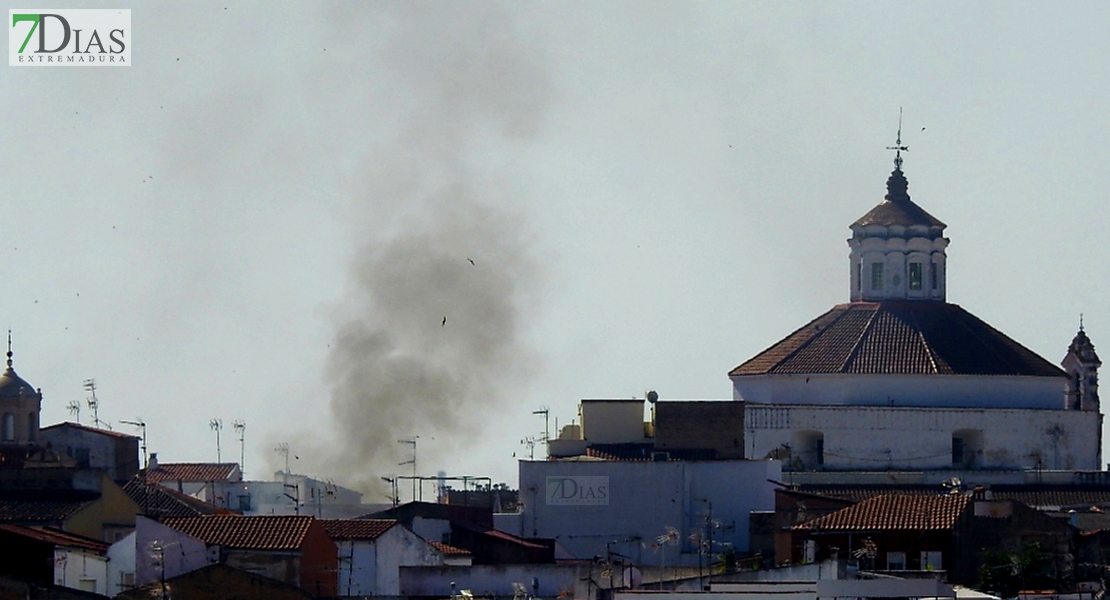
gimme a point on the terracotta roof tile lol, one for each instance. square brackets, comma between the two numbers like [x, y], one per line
[356, 529]
[1028, 494]
[893, 511]
[56, 537]
[264, 532]
[159, 501]
[902, 212]
[898, 337]
[29, 507]
[446, 550]
[192, 472]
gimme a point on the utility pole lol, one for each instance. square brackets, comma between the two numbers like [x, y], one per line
[217, 425]
[240, 427]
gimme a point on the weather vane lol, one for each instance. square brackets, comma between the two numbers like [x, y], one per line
[898, 147]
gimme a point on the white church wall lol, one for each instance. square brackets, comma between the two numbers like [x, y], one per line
[680, 494]
[880, 438]
[957, 391]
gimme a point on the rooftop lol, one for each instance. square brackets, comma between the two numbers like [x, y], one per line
[893, 511]
[159, 501]
[80, 427]
[265, 532]
[192, 472]
[356, 529]
[56, 537]
[898, 337]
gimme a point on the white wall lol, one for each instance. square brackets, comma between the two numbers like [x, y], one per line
[643, 499]
[963, 391]
[876, 438]
[495, 580]
[121, 561]
[155, 542]
[370, 568]
[81, 569]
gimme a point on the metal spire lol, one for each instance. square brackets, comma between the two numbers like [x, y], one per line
[1080, 321]
[9, 349]
[898, 147]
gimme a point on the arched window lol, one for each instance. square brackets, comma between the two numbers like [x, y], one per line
[9, 427]
[32, 427]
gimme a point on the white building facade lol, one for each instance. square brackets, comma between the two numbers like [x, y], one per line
[611, 507]
[899, 379]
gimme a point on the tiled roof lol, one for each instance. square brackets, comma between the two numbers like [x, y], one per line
[644, 452]
[446, 550]
[1029, 495]
[56, 537]
[898, 337]
[107, 432]
[356, 529]
[191, 472]
[893, 511]
[263, 532]
[501, 535]
[158, 501]
[29, 507]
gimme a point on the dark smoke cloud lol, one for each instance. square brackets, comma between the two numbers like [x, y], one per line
[431, 342]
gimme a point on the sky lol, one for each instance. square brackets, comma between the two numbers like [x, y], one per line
[271, 215]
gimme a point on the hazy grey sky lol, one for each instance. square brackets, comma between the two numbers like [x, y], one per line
[658, 192]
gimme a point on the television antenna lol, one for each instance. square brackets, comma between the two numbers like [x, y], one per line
[412, 461]
[240, 427]
[217, 425]
[283, 450]
[75, 410]
[530, 443]
[546, 412]
[94, 403]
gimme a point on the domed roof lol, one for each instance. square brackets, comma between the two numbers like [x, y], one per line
[898, 209]
[13, 386]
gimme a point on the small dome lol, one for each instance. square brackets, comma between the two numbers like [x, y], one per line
[13, 386]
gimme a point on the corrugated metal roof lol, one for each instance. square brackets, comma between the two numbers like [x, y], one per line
[898, 337]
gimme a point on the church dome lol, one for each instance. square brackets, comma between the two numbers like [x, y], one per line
[13, 386]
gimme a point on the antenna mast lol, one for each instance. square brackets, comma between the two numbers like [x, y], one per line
[412, 462]
[240, 426]
[142, 425]
[217, 425]
[283, 450]
[94, 403]
[75, 410]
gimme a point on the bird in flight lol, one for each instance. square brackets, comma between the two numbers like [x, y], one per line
[444, 321]
[471, 261]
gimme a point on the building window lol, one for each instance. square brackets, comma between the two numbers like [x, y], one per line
[31, 427]
[915, 276]
[245, 503]
[957, 450]
[933, 274]
[876, 276]
[859, 277]
[81, 455]
[895, 561]
[930, 560]
[819, 450]
[9, 427]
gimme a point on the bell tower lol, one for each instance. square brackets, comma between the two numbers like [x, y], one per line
[1082, 365]
[19, 406]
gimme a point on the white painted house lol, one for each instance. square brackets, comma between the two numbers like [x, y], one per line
[595, 507]
[371, 552]
[900, 379]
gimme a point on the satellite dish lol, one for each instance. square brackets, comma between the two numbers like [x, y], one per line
[653, 396]
[632, 578]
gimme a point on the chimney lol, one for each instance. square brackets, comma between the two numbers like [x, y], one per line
[152, 464]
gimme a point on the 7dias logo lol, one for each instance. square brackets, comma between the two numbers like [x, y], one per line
[69, 38]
